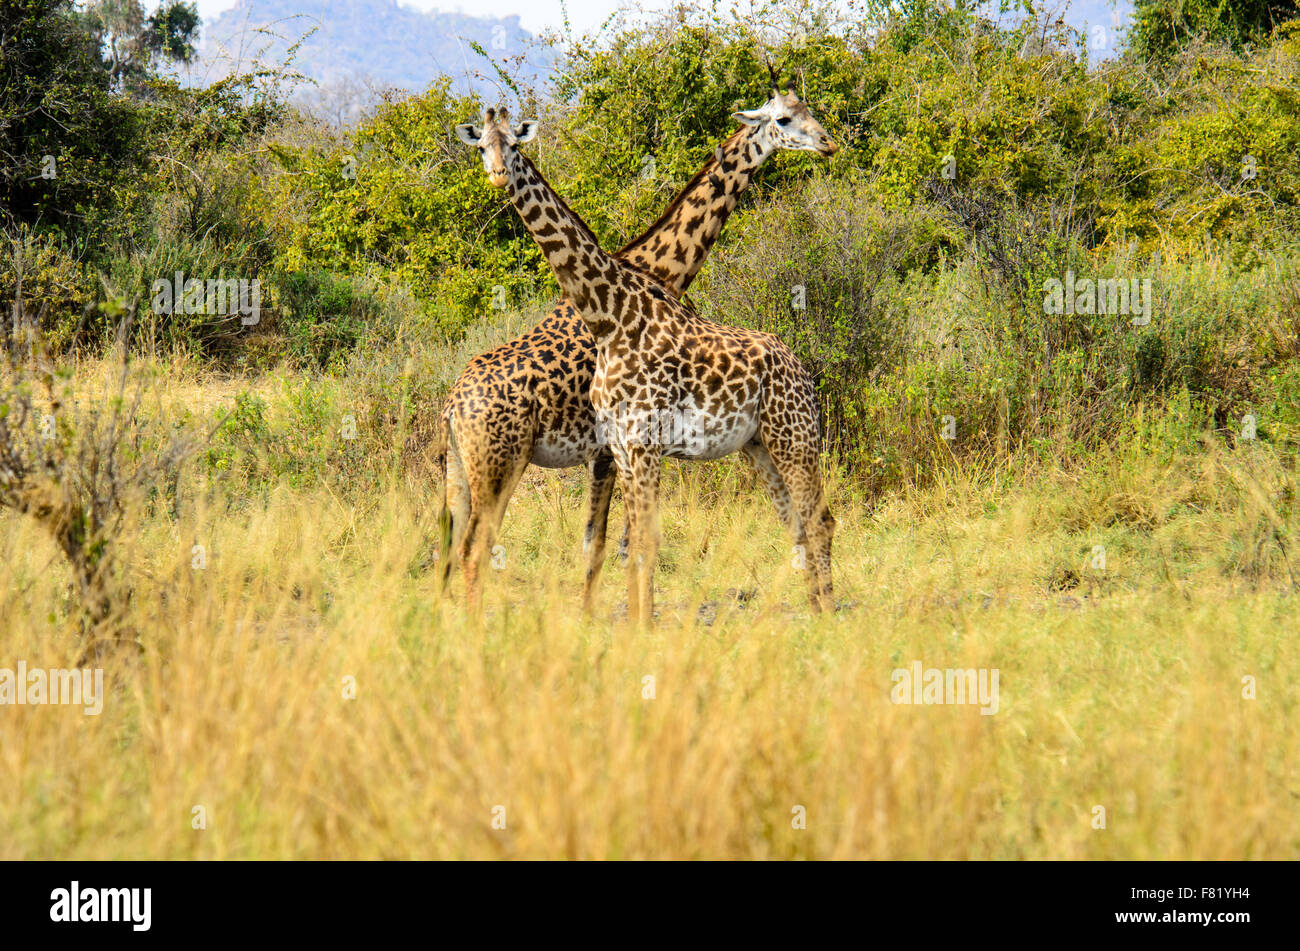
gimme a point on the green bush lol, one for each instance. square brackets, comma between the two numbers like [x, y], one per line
[405, 198]
[323, 316]
[1161, 27]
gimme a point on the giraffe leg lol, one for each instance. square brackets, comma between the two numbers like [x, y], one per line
[492, 483]
[758, 456]
[471, 557]
[454, 517]
[603, 474]
[799, 470]
[640, 476]
[504, 492]
[826, 537]
[474, 541]
[471, 458]
[629, 531]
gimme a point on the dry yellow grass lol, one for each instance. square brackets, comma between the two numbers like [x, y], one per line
[1120, 687]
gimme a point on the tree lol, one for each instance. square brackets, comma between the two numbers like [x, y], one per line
[1160, 27]
[131, 44]
[60, 130]
[170, 32]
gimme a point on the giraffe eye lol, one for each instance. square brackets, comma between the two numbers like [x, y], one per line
[784, 121]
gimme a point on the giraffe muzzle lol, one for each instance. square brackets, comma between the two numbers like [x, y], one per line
[498, 177]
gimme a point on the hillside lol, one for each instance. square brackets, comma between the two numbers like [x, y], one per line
[377, 40]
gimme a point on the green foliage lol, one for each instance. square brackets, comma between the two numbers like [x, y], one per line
[303, 433]
[403, 196]
[1216, 158]
[109, 192]
[324, 316]
[931, 340]
[666, 92]
[58, 291]
[1161, 27]
[65, 141]
[171, 30]
[130, 44]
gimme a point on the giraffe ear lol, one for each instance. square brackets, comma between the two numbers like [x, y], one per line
[525, 131]
[750, 116]
[468, 134]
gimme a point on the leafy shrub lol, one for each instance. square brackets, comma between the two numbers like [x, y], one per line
[84, 466]
[1161, 27]
[324, 316]
[57, 292]
[404, 197]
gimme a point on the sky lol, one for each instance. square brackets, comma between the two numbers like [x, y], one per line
[539, 15]
[535, 15]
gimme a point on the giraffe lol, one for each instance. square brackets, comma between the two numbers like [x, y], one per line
[667, 382]
[528, 400]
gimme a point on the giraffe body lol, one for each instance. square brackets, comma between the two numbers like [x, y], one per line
[525, 401]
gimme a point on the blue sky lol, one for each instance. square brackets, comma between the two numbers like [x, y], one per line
[539, 15]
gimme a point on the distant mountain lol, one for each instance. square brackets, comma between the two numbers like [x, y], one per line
[371, 42]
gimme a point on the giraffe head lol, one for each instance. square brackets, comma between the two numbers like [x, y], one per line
[784, 122]
[497, 142]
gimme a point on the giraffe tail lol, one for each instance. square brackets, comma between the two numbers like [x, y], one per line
[445, 516]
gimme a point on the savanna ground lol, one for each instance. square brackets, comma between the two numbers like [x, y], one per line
[1121, 680]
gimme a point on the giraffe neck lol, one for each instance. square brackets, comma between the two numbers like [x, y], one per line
[587, 274]
[674, 248]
